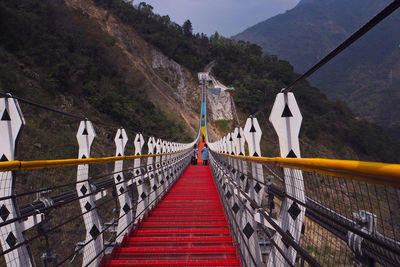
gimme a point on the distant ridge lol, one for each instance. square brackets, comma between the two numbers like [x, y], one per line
[370, 69]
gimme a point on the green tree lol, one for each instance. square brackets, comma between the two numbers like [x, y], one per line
[187, 28]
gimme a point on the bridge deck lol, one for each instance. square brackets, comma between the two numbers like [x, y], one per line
[187, 228]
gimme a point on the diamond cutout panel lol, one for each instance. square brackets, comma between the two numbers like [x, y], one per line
[119, 177]
[11, 240]
[94, 232]
[242, 177]
[84, 189]
[4, 212]
[248, 230]
[294, 211]
[143, 195]
[235, 208]
[88, 206]
[228, 195]
[162, 182]
[257, 187]
[154, 187]
[121, 190]
[126, 208]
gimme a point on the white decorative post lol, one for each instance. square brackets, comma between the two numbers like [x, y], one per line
[252, 134]
[239, 142]
[11, 234]
[142, 201]
[286, 119]
[159, 172]
[164, 163]
[125, 213]
[94, 238]
[151, 144]
[169, 163]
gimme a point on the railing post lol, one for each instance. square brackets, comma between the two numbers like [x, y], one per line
[286, 119]
[11, 124]
[125, 212]
[238, 208]
[151, 144]
[169, 163]
[92, 248]
[252, 134]
[159, 173]
[164, 164]
[239, 142]
[142, 200]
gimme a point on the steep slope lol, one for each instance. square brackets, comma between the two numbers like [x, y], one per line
[366, 75]
[91, 66]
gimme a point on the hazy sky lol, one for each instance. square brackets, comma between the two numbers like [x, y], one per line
[228, 17]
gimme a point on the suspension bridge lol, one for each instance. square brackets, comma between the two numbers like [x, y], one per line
[154, 208]
[241, 210]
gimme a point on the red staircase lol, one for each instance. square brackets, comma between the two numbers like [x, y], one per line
[187, 228]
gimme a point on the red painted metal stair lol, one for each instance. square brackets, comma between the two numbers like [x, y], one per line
[187, 228]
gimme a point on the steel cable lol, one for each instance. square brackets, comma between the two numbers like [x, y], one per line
[349, 41]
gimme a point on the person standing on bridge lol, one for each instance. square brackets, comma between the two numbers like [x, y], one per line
[195, 155]
[204, 154]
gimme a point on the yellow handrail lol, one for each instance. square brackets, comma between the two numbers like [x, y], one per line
[42, 164]
[370, 172]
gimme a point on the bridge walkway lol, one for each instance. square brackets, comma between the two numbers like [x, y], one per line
[188, 227]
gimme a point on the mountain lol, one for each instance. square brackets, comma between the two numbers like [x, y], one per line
[123, 65]
[367, 75]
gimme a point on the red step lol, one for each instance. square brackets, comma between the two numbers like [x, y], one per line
[187, 228]
[175, 232]
[215, 262]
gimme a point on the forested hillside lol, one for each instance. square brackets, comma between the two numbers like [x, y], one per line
[329, 126]
[366, 76]
[65, 59]
[57, 56]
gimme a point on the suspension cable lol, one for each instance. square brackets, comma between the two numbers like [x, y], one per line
[75, 116]
[23, 100]
[357, 35]
[349, 41]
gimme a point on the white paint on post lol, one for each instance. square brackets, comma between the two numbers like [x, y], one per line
[151, 144]
[252, 133]
[125, 203]
[11, 124]
[286, 119]
[239, 142]
[159, 174]
[142, 200]
[94, 238]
